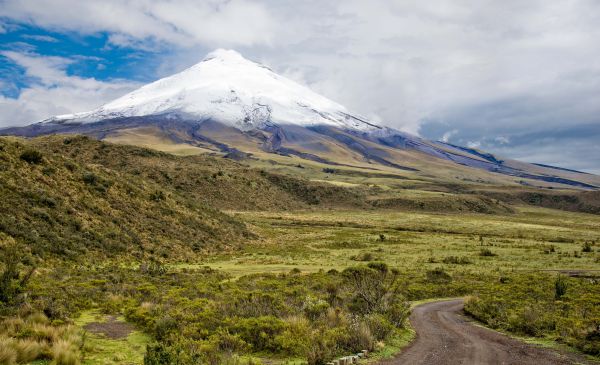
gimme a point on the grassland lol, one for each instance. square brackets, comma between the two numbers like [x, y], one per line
[207, 260]
[531, 239]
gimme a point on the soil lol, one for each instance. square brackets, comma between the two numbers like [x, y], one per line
[446, 336]
[112, 328]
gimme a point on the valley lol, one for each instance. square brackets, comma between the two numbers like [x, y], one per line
[205, 259]
[252, 182]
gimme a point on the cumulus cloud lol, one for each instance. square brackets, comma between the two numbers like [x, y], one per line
[184, 22]
[53, 92]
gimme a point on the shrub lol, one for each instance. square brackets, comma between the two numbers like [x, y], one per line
[560, 287]
[165, 326]
[456, 260]
[486, 252]
[529, 321]
[157, 196]
[158, 354]
[360, 337]
[587, 247]
[31, 156]
[364, 256]
[260, 332]
[90, 178]
[229, 343]
[379, 326]
[295, 338]
[181, 352]
[397, 313]
[315, 308]
[438, 275]
[14, 278]
[319, 350]
[372, 286]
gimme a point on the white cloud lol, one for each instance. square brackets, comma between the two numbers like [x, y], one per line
[473, 144]
[502, 140]
[53, 92]
[41, 38]
[446, 137]
[184, 22]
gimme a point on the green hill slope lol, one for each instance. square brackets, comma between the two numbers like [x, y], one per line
[72, 195]
[59, 205]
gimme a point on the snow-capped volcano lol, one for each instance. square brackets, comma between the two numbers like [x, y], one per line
[230, 105]
[228, 88]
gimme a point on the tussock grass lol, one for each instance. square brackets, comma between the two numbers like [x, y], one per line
[30, 338]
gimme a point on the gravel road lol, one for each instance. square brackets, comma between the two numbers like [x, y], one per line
[446, 336]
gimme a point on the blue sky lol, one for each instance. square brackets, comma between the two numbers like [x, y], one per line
[521, 79]
[88, 55]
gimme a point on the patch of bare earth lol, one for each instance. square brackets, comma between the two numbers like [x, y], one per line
[112, 328]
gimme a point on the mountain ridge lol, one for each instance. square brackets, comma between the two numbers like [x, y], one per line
[236, 107]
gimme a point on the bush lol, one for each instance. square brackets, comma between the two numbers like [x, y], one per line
[159, 354]
[319, 351]
[295, 338]
[360, 337]
[456, 260]
[486, 252]
[180, 352]
[315, 308]
[438, 275]
[31, 157]
[158, 196]
[14, 258]
[587, 247]
[229, 343]
[560, 287]
[259, 332]
[379, 326]
[397, 313]
[364, 256]
[164, 326]
[372, 286]
[90, 178]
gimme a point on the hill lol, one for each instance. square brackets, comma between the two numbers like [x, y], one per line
[62, 206]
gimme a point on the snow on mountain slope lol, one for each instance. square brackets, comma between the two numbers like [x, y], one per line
[235, 106]
[230, 89]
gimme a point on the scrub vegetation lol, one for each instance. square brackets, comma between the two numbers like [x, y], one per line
[123, 255]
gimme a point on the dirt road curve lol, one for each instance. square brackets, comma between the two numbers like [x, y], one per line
[445, 336]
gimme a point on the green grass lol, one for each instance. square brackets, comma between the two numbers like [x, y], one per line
[394, 345]
[313, 240]
[111, 210]
[99, 349]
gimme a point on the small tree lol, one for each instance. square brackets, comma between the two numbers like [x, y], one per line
[560, 287]
[375, 286]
